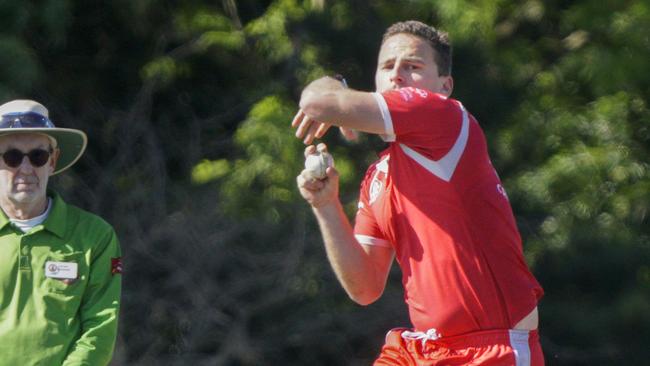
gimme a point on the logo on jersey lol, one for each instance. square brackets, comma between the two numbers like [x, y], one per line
[502, 191]
[406, 94]
[375, 189]
[409, 93]
[378, 180]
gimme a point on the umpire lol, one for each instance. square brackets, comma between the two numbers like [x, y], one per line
[60, 266]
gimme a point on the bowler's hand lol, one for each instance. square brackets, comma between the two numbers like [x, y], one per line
[310, 129]
[318, 192]
[349, 133]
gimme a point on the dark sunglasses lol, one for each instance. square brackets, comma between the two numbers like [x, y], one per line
[14, 157]
[25, 120]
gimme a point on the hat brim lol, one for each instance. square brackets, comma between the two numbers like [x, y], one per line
[72, 143]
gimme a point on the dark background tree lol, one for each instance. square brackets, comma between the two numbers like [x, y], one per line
[187, 106]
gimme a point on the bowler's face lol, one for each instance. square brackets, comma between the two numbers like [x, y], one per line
[25, 185]
[406, 60]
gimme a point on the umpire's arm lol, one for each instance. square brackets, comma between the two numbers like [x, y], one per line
[99, 308]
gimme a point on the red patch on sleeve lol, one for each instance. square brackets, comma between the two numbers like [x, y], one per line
[116, 265]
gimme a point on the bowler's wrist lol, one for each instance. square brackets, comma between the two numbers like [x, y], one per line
[326, 208]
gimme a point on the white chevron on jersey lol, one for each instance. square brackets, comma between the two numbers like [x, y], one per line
[445, 167]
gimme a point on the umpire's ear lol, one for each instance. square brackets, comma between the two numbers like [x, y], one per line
[54, 157]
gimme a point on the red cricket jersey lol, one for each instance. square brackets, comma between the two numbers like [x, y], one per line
[434, 197]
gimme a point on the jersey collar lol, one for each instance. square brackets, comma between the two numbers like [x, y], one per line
[56, 220]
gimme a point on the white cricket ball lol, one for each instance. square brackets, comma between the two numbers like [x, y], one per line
[316, 164]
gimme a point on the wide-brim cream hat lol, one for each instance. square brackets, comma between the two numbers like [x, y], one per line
[28, 116]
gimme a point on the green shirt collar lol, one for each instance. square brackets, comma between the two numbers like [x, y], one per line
[4, 220]
[55, 221]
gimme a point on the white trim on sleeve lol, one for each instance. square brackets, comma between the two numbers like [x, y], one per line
[370, 240]
[389, 134]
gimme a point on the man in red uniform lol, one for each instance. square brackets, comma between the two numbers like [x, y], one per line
[434, 203]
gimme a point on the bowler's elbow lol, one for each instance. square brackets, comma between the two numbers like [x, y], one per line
[365, 297]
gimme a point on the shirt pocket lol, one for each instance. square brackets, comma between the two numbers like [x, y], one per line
[62, 298]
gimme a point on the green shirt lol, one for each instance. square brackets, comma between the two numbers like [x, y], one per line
[44, 320]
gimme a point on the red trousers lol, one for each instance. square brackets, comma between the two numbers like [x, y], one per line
[485, 348]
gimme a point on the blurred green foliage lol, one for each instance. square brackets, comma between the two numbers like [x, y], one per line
[188, 104]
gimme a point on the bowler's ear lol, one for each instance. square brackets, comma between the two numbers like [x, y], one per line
[448, 86]
[54, 158]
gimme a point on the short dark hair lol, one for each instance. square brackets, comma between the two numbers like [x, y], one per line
[438, 40]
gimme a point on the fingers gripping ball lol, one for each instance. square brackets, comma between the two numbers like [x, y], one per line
[317, 163]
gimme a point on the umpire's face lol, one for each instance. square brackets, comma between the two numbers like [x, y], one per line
[25, 169]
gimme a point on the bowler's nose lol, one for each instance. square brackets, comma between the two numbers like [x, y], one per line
[396, 78]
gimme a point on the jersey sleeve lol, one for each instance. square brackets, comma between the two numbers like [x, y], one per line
[366, 228]
[425, 121]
